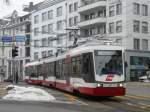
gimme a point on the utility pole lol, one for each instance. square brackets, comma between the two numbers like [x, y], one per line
[75, 31]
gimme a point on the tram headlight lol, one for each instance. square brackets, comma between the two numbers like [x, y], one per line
[99, 85]
[120, 84]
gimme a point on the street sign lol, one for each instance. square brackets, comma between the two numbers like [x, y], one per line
[20, 38]
[7, 39]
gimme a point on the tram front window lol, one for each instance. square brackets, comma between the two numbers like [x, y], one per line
[108, 62]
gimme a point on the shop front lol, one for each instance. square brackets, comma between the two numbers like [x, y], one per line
[138, 64]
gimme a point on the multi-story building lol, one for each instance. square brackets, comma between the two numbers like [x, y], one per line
[57, 23]
[15, 32]
[126, 21]
[48, 25]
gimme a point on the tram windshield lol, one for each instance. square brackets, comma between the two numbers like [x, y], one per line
[108, 62]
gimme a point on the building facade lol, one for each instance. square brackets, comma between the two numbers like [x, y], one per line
[15, 33]
[48, 25]
[125, 21]
[59, 24]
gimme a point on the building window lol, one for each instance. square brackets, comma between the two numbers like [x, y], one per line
[145, 10]
[111, 27]
[102, 29]
[59, 25]
[92, 15]
[44, 54]
[144, 44]
[136, 26]
[44, 16]
[75, 20]
[36, 19]
[59, 40]
[50, 53]
[136, 44]
[119, 26]
[50, 28]
[118, 9]
[44, 29]
[50, 42]
[36, 57]
[71, 36]
[36, 43]
[111, 11]
[44, 42]
[59, 11]
[86, 32]
[50, 14]
[75, 6]
[92, 31]
[36, 31]
[144, 27]
[102, 13]
[70, 8]
[136, 8]
[70, 22]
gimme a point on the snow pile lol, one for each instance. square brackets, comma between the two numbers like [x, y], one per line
[18, 93]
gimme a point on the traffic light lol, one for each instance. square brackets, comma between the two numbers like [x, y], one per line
[15, 52]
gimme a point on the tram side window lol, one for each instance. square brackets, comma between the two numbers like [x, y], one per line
[64, 69]
[76, 66]
[58, 69]
[45, 70]
[39, 70]
[27, 71]
[33, 72]
[51, 69]
[88, 67]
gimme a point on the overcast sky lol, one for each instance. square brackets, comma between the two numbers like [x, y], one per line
[14, 5]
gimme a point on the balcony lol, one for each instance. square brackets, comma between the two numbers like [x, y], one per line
[93, 21]
[91, 5]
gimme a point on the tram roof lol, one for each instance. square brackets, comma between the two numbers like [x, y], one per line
[76, 51]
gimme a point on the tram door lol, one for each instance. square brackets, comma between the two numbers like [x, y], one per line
[88, 67]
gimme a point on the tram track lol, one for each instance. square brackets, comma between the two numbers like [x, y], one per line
[125, 103]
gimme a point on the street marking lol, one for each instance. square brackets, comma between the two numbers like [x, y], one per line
[130, 104]
[122, 97]
[138, 97]
[71, 97]
[75, 99]
[145, 105]
[81, 102]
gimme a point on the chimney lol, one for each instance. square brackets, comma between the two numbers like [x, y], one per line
[31, 5]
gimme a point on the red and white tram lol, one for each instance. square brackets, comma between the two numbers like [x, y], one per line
[94, 70]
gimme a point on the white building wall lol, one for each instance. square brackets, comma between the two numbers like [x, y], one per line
[52, 21]
[127, 18]
[72, 15]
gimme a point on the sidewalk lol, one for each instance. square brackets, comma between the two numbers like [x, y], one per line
[3, 91]
[138, 89]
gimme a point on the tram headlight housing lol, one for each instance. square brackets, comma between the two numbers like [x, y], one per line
[99, 85]
[120, 85]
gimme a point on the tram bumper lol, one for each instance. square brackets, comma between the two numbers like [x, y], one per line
[104, 91]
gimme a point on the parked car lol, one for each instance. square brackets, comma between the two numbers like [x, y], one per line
[144, 78]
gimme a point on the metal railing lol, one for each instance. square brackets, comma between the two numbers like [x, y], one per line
[96, 17]
[88, 2]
